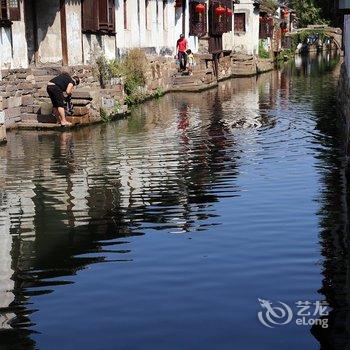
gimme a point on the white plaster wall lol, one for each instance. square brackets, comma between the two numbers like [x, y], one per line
[6, 47]
[247, 42]
[228, 39]
[130, 36]
[168, 32]
[157, 37]
[74, 34]
[13, 44]
[49, 31]
[96, 45]
[347, 42]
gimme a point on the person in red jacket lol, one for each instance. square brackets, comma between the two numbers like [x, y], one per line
[182, 46]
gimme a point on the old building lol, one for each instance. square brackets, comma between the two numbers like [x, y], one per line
[246, 27]
[65, 32]
[72, 32]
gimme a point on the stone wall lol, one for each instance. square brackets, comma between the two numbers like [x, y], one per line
[24, 99]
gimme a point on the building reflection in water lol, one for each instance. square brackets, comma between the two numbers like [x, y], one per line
[66, 197]
[334, 217]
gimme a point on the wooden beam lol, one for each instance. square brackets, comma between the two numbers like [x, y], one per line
[64, 32]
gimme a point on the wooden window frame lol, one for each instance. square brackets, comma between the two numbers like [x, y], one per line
[8, 13]
[98, 17]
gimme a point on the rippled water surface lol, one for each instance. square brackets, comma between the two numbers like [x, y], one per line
[162, 231]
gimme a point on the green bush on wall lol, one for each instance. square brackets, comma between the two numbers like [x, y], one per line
[263, 53]
[132, 68]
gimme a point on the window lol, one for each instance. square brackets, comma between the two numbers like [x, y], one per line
[10, 10]
[125, 14]
[98, 16]
[4, 12]
[240, 26]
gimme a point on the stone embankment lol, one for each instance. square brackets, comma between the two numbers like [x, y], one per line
[24, 102]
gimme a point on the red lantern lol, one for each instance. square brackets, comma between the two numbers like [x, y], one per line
[200, 8]
[229, 12]
[220, 10]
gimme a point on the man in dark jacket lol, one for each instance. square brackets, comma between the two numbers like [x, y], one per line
[63, 83]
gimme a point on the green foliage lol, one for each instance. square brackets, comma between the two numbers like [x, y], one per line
[263, 53]
[329, 12]
[307, 12]
[117, 107]
[104, 115]
[270, 6]
[158, 93]
[301, 36]
[285, 55]
[132, 68]
[104, 72]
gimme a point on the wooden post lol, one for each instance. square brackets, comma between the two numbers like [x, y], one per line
[64, 32]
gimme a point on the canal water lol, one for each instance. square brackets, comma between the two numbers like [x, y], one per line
[168, 229]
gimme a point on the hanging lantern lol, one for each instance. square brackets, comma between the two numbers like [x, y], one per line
[200, 8]
[220, 10]
[229, 12]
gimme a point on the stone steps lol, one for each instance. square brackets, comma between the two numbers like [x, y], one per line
[30, 119]
[44, 126]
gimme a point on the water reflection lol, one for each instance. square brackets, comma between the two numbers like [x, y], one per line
[70, 200]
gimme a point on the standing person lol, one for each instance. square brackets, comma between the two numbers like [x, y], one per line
[181, 47]
[191, 62]
[55, 88]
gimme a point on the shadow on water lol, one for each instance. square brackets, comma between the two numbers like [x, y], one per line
[75, 199]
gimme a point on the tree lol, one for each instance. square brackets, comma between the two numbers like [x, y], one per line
[270, 6]
[307, 12]
[329, 11]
